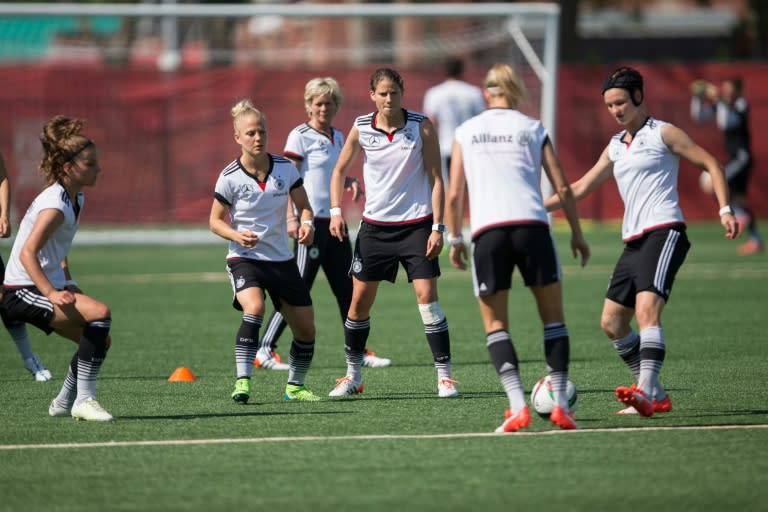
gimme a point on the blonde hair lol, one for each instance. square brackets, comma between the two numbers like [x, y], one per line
[62, 142]
[320, 87]
[501, 80]
[244, 108]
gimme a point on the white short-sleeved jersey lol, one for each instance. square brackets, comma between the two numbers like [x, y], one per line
[450, 104]
[501, 152]
[318, 154]
[57, 247]
[397, 189]
[259, 207]
[646, 175]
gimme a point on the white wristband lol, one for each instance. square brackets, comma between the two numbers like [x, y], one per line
[335, 211]
[726, 209]
[309, 223]
[454, 240]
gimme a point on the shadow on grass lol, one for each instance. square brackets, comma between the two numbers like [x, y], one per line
[227, 415]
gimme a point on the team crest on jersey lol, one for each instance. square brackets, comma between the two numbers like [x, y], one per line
[314, 253]
[357, 265]
[279, 184]
[240, 282]
[409, 140]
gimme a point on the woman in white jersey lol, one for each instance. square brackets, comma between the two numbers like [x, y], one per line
[17, 330]
[402, 223]
[250, 200]
[38, 288]
[314, 148]
[644, 158]
[497, 158]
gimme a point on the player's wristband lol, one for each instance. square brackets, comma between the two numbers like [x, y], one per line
[309, 223]
[335, 211]
[454, 240]
[726, 210]
[291, 219]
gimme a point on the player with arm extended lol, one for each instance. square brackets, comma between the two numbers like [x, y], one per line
[250, 200]
[497, 160]
[402, 223]
[314, 148]
[38, 288]
[644, 160]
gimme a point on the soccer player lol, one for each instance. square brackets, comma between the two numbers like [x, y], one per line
[38, 288]
[314, 148]
[644, 158]
[17, 330]
[250, 200]
[402, 223]
[731, 111]
[497, 158]
[449, 104]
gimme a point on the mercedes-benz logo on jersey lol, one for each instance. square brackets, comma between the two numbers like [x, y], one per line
[314, 252]
[279, 184]
[524, 138]
[246, 189]
[357, 265]
[373, 140]
[240, 282]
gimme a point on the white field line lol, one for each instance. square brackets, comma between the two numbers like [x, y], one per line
[370, 437]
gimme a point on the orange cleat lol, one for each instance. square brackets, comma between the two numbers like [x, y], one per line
[514, 422]
[562, 419]
[751, 246]
[633, 397]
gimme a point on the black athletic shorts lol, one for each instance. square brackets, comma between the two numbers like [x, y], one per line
[26, 305]
[281, 279]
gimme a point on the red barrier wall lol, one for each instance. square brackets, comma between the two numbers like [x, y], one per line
[163, 138]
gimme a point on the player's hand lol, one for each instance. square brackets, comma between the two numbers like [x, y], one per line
[247, 239]
[458, 256]
[306, 234]
[293, 228]
[579, 246]
[338, 227]
[434, 245]
[731, 225]
[353, 184]
[61, 297]
[5, 227]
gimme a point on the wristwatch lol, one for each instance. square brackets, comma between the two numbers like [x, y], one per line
[440, 228]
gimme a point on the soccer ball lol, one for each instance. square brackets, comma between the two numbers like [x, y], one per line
[542, 398]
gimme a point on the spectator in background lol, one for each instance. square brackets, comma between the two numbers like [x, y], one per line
[644, 160]
[314, 147]
[402, 223]
[38, 288]
[17, 330]
[731, 112]
[449, 104]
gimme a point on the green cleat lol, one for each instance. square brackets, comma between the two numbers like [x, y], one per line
[242, 391]
[299, 393]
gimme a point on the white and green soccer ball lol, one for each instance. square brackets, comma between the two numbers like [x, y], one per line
[542, 398]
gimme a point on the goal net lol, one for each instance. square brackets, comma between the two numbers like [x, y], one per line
[154, 82]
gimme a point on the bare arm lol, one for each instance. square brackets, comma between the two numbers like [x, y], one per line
[5, 201]
[581, 188]
[349, 153]
[566, 198]
[454, 211]
[220, 225]
[430, 153]
[306, 234]
[681, 144]
[290, 214]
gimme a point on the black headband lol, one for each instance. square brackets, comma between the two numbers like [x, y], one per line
[88, 143]
[623, 78]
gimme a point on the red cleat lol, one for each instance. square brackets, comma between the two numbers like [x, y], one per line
[562, 419]
[633, 397]
[515, 422]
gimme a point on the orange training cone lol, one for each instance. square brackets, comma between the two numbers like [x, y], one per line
[182, 374]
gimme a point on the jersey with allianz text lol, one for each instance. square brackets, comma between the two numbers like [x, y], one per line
[259, 210]
[318, 154]
[501, 152]
[56, 247]
[397, 189]
[646, 175]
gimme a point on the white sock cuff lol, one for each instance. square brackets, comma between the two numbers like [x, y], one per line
[431, 313]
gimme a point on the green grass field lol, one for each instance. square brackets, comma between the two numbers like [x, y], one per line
[187, 446]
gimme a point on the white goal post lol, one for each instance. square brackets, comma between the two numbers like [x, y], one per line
[542, 18]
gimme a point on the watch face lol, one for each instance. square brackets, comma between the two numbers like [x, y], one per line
[440, 228]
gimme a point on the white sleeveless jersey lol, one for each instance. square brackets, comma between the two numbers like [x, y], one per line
[318, 154]
[450, 104]
[397, 187]
[56, 248]
[501, 152]
[259, 210]
[646, 175]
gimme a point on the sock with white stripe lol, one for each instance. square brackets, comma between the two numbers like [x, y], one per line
[90, 355]
[504, 359]
[246, 345]
[274, 328]
[299, 360]
[652, 353]
[68, 392]
[557, 350]
[628, 348]
[355, 337]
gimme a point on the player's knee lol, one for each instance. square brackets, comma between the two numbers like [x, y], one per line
[611, 326]
[431, 313]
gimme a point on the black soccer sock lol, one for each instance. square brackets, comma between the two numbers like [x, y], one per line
[246, 345]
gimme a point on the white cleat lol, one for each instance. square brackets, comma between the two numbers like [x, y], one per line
[371, 360]
[37, 369]
[345, 387]
[446, 388]
[270, 361]
[90, 410]
[56, 410]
